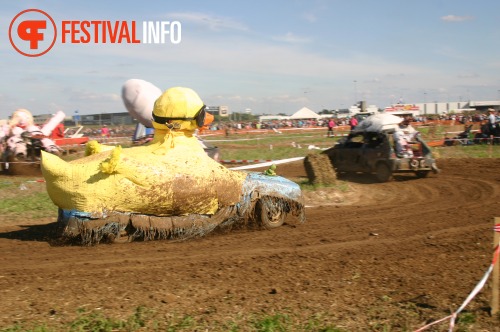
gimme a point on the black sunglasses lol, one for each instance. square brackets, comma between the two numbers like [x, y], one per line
[199, 117]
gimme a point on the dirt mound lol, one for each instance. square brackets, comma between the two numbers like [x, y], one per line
[370, 257]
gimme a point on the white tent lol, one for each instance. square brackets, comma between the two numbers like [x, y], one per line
[304, 113]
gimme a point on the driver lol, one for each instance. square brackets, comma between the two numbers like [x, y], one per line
[403, 136]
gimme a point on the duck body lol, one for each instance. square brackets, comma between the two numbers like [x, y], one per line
[136, 180]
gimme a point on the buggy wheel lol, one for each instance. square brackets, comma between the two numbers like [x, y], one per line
[269, 213]
[119, 238]
[383, 173]
[342, 174]
[421, 174]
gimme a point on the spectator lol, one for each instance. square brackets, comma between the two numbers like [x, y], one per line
[331, 124]
[493, 126]
[353, 122]
[482, 136]
[105, 131]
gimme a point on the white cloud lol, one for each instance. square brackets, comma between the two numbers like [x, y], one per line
[212, 22]
[455, 18]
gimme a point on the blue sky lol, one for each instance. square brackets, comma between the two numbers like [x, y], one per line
[267, 56]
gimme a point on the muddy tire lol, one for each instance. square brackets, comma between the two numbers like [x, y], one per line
[119, 238]
[383, 173]
[421, 174]
[268, 214]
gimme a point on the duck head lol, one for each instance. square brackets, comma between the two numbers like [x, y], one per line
[179, 109]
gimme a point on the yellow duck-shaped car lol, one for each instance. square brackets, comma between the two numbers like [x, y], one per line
[172, 175]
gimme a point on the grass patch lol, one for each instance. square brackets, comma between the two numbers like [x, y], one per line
[341, 186]
[34, 205]
[271, 146]
[278, 322]
[467, 151]
[22, 197]
[145, 319]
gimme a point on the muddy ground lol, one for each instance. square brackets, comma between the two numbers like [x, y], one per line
[370, 257]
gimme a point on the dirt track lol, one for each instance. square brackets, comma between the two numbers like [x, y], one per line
[393, 255]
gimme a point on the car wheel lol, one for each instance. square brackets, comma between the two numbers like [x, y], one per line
[119, 238]
[270, 213]
[383, 172]
[341, 174]
[422, 174]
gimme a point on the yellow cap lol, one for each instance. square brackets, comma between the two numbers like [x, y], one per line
[178, 102]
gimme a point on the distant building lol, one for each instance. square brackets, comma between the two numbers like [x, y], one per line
[456, 107]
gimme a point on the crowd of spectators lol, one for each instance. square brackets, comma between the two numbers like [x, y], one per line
[323, 122]
[278, 124]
